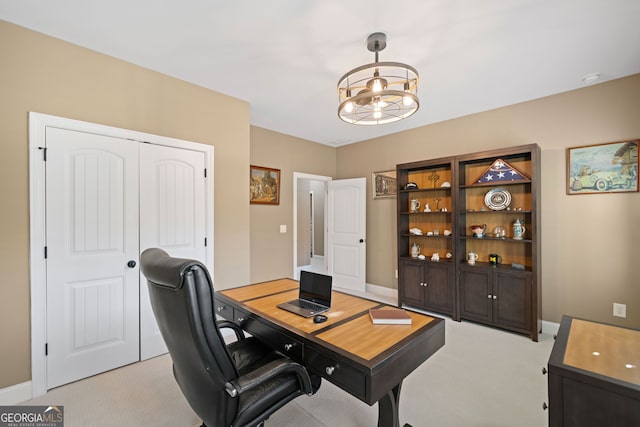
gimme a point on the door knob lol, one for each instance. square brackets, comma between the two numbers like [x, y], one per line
[361, 240]
[131, 264]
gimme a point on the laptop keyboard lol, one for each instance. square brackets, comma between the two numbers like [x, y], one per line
[307, 305]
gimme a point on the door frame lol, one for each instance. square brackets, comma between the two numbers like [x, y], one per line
[38, 123]
[296, 176]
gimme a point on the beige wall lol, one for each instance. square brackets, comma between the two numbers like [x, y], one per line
[271, 251]
[589, 242]
[582, 273]
[46, 75]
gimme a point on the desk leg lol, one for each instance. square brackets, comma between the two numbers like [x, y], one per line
[388, 409]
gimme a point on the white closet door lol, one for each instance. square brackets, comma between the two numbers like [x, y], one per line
[172, 217]
[91, 235]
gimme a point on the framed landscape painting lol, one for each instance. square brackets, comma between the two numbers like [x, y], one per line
[384, 184]
[603, 168]
[264, 185]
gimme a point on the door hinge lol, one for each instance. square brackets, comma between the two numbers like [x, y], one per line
[205, 172]
[44, 153]
[205, 242]
[46, 349]
[46, 252]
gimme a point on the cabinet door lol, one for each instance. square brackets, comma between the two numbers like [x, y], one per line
[476, 296]
[439, 287]
[411, 282]
[513, 303]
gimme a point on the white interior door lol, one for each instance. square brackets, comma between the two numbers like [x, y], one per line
[172, 217]
[91, 235]
[346, 239]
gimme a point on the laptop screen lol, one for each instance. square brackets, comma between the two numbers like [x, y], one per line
[315, 287]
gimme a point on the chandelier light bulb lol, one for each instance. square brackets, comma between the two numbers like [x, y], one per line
[407, 101]
[348, 107]
[377, 85]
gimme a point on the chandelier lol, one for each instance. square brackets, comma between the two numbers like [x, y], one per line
[378, 93]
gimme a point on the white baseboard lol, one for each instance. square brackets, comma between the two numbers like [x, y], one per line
[550, 327]
[382, 290]
[15, 394]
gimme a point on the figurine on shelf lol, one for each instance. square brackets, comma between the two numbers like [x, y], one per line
[478, 230]
[427, 208]
[435, 256]
[415, 250]
[499, 232]
[518, 230]
[433, 178]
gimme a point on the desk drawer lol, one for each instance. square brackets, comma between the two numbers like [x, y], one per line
[343, 376]
[281, 342]
[224, 310]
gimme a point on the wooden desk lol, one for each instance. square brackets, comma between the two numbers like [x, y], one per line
[594, 375]
[367, 361]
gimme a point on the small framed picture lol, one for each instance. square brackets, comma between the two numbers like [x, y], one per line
[264, 185]
[384, 184]
[603, 168]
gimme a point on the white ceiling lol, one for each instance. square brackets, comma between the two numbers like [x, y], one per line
[285, 56]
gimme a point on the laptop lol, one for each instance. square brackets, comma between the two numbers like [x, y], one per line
[314, 296]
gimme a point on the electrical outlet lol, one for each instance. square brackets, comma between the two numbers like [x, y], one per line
[619, 310]
[283, 228]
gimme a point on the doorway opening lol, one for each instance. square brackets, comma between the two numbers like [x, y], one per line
[309, 229]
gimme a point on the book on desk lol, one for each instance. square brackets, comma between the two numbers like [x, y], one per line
[389, 316]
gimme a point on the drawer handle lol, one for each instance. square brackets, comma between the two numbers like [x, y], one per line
[330, 370]
[221, 308]
[288, 347]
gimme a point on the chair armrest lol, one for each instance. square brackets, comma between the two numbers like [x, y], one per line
[230, 325]
[269, 371]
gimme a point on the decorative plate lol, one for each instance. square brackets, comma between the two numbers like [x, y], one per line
[497, 199]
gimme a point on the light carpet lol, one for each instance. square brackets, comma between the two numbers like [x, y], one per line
[482, 377]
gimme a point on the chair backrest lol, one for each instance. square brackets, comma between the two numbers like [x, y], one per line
[181, 295]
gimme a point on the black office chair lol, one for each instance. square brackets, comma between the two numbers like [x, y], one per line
[241, 384]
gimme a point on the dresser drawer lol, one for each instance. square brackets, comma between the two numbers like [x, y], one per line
[281, 342]
[341, 375]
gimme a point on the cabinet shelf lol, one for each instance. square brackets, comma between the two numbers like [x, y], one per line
[437, 236]
[425, 213]
[425, 190]
[495, 184]
[428, 260]
[490, 212]
[501, 267]
[499, 239]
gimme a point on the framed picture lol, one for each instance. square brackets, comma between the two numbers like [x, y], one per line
[384, 184]
[603, 168]
[264, 185]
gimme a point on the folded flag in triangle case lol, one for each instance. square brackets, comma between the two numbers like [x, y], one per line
[501, 171]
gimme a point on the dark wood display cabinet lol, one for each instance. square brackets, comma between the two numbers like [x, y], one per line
[497, 190]
[426, 226]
